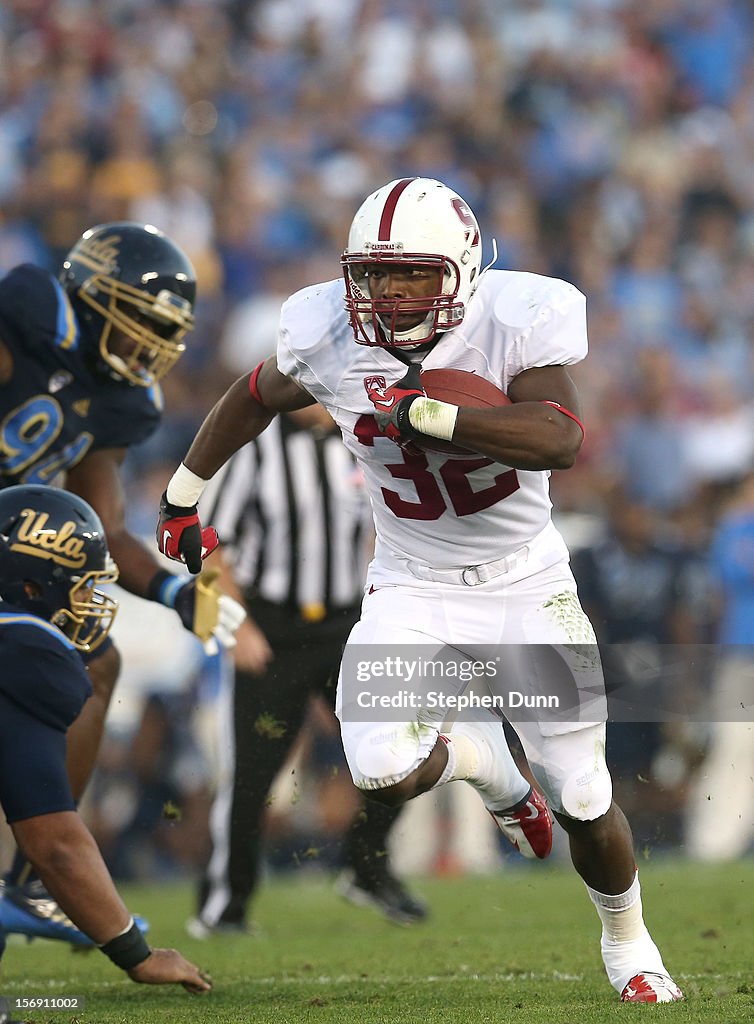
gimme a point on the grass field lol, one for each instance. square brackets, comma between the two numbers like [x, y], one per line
[519, 947]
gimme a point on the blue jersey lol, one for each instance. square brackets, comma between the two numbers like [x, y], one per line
[55, 406]
[43, 687]
[42, 670]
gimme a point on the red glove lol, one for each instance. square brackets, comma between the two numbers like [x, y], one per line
[392, 405]
[181, 537]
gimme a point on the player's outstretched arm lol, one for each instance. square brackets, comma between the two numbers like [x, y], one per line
[62, 850]
[97, 479]
[244, 411]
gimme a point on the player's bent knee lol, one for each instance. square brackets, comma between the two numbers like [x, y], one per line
[386, 757]
[587, 794]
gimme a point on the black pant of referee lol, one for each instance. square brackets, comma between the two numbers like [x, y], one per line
[306, 658]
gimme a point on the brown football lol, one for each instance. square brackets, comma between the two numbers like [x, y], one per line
[459, 387]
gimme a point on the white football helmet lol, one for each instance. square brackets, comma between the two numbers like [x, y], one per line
[418, 221]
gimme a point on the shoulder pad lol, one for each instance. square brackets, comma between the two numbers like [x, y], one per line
[544, 317]
[315, 341]
[307, 317]
[522, 299]
[23, 620]
[33, 301]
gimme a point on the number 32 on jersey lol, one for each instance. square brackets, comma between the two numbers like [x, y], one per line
[454, 473]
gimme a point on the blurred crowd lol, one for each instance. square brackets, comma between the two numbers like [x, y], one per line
[608, 142]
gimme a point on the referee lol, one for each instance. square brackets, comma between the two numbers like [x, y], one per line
[295, 524]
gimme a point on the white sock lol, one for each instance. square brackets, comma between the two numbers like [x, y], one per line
[621, 915]
[478, 753]
[627, 947]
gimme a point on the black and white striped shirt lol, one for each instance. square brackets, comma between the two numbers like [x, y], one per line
[293, 516]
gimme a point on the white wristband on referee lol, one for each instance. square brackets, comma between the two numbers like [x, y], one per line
[438, 419]
[185, 488]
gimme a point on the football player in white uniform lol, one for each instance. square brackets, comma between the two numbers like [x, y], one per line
[466, 554]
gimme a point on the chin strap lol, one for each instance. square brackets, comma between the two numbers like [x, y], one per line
[421, 330]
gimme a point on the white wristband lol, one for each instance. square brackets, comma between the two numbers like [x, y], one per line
[128, 928]
[438, 419]
[185, 488]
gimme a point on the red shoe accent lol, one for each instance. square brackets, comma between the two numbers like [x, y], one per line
[651, 988]
[529, 828]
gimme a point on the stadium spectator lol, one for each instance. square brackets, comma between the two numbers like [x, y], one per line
[459, 566]
[625, 111]
[53, 560]
[271, 101]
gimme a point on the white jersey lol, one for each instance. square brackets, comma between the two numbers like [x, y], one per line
[443, 511]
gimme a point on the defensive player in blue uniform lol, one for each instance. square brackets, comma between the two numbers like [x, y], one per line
[53, 559]
[81, 357]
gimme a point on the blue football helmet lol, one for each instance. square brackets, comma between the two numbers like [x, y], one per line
[134, 288]
[53, 555]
